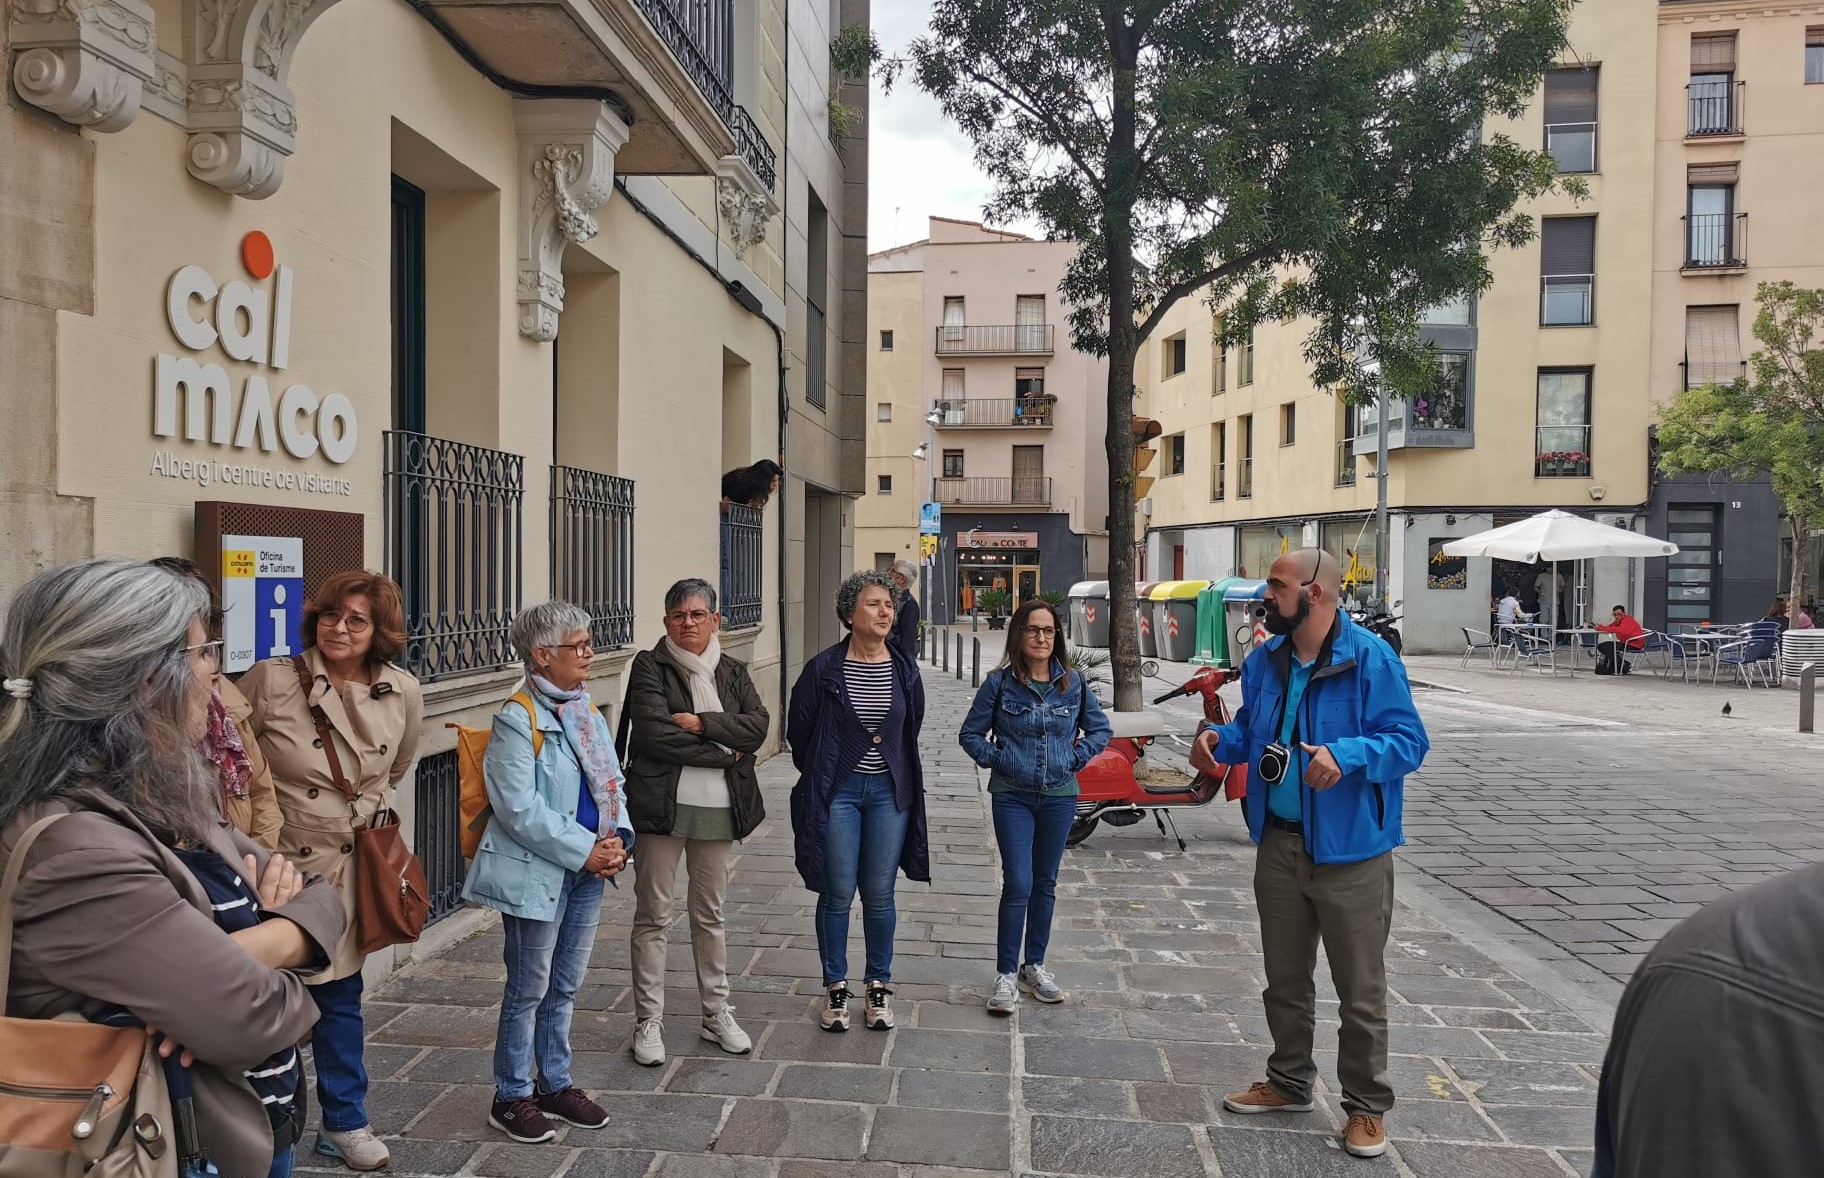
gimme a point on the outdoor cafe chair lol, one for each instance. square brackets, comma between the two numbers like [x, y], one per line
[1476, 641]
[1531, 648]
[1668, 650]
[1755, 657]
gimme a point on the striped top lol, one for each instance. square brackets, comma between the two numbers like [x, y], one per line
[236, 907]
[870, 688]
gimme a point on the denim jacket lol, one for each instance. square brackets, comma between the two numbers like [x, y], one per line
[1036, 745]
[533, 837]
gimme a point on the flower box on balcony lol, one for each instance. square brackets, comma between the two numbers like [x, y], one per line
[1562, 464]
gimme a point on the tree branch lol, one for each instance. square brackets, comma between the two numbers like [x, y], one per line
[1065, 142]
[1190, 285]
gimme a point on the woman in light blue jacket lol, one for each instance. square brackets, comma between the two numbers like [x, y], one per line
[556, 832]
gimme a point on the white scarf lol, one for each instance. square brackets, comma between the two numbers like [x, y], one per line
[699, 786]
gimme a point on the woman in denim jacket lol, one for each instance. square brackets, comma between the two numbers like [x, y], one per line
[1045, 725]
[558, 829]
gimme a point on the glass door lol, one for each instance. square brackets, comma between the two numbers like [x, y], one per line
[1691, 571]
[1026, 583]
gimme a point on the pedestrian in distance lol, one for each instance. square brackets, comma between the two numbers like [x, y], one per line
[858, 809]
[905, 606]
[557, 833]
[1033, 725]
[694, 722]
[248, 800]
[1328, 730]
[137, 904]
[354, 626]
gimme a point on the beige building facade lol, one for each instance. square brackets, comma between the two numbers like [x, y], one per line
[508, 289]
[980, 406]
[1546, 394]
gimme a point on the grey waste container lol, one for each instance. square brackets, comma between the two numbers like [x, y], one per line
[1089, 613]
[1143, 609]
[1175, 619]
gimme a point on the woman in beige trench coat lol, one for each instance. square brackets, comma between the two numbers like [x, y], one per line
[353, 625]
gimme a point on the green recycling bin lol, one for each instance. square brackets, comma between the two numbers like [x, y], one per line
[1143, 614]
[1212, 639]
[1175, 619]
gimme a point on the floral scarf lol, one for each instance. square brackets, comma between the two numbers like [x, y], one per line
[594, 748]
[222, 745]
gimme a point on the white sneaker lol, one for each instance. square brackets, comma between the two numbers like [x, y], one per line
[722, 1029]
[1006, 995]
[649, 1044]
[358, 1149]
[1037, 981]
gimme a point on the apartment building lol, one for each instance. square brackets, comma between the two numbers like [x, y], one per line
[1740, 164]
[304, 286]
[981, 407]
[1544, 399]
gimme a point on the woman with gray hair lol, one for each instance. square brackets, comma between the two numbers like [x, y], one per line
[906, 614]
[556, 832]
[858, 810]
[136, 903]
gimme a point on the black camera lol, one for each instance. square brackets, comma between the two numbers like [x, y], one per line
[1273, 761]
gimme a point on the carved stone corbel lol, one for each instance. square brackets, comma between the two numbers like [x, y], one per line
[566, 153]
[85, 61]
[747, 204]
[238, 107]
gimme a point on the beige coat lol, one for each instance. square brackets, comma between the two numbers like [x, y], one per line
[108, 915]
[256, 815]
[376, 733]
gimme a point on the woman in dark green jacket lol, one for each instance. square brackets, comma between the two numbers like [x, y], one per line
[696, 723]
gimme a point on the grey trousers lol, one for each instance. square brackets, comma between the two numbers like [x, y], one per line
[1349, 906]
[655, 884]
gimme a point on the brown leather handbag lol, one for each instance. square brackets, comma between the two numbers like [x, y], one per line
[392, 899]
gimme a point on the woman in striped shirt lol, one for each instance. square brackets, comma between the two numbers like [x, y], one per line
[858, 810]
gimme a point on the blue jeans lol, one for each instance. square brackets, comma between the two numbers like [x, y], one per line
[1029, 829]
[336, 1046]
[281, 1164]
[546, 960]
[861, 848]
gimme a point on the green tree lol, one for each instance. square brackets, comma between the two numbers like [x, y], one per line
[1771, 423]
[1316, 158]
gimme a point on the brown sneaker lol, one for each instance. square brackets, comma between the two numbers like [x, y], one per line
[1261, 1098]
[835, 1015]
[573, 1106]
[1364, 1137]
[877, 1014]
[520, 1119]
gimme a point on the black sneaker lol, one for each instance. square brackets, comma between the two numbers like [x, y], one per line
[521, 1120]
[573, 1106]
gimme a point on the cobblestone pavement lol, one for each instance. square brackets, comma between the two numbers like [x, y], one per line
[1496, 1045]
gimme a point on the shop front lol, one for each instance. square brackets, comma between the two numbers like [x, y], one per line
[1023, 555]
[1005, 561]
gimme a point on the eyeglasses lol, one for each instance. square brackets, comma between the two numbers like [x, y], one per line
[695, 617]
[353, 623]
[581, 650]
[1044, 633]
[211, 650]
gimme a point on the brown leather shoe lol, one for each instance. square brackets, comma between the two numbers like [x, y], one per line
[1261, 1098]
[1364, 1136]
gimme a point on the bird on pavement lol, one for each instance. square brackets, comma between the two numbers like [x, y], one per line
[1726, 708]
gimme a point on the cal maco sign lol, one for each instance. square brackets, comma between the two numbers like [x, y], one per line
[193, 396]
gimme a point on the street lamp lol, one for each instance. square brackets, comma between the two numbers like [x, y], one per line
[923, 449]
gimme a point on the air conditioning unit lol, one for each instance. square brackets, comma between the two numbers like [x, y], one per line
[1616, 519]
[1146, 507]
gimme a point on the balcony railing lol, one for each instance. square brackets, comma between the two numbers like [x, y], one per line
[743, 565]
[1562, 451]
[753, 148]
[437, 831]
[1716, 241]
[1219, 476]
[1244, 479]
[1004, 339]
[1567, 300]
[592, 550]
[1345, 463]
[1695, 375]
[701, 35]
[994, 412]
[1021, 491]
[1715, 108]
[453, 538]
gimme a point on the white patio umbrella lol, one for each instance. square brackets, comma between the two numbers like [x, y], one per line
[1558, 535]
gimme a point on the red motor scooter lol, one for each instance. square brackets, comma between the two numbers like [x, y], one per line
[1117, 787]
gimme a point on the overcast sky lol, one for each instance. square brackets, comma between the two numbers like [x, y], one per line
[920, 164]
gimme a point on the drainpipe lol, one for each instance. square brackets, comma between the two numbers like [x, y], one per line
[785, 397]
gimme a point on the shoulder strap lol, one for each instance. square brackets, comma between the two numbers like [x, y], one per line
[325, 736]
[524, 700]
[15, 867]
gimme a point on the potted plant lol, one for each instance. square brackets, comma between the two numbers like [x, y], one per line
[1054, 598]
[995, 603]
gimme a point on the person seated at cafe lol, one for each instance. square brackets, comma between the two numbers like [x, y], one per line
[1624, 632]
[1776, 613]
[1508, 611]
[1801, 617]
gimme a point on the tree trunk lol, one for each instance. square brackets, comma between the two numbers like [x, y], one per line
[1118, 234]
[1801, 544]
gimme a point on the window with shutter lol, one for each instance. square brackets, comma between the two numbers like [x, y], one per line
[1713, 345]
[1713, 53]
[1814, 56]
[1563, 435]
[1711, 224]
[1712, 92]
[1570, 118]
[1567, 268]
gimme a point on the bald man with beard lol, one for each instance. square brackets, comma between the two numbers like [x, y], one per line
[1328, 730]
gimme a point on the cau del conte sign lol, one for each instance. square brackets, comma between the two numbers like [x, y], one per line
[193, 396]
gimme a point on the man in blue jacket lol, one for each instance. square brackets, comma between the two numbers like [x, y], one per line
[1329, 732]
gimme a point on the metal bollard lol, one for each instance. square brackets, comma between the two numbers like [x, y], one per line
[975, 670]
[959, 656]
[1808, 695]
[943, 650]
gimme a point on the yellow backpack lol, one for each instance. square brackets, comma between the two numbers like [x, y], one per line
[471, 750]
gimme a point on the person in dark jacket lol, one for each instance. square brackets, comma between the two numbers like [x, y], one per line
[1713, 1063]
[858, 810]
[1046, 725]
[1328, 730]
[905, 604]
[696, 723]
